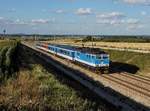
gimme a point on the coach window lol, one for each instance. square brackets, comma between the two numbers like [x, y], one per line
[87, 56]
[98, 57]
[92, 57]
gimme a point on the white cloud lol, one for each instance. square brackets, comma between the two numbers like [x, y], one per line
[19, 22]
[142, 2]
[111, 22]
[60, 11]
[132, 21]
[5, 21]
[112, 15]
[143, 13]
[40, 21]
[134, 26]
[112, 18]
[84, 11]
[116, 18]
[118, 21]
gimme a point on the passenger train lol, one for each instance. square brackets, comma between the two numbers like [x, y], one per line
[94, 58]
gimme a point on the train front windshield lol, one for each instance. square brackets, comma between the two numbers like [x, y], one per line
[102, 57]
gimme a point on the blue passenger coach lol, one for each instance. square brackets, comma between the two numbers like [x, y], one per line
[91, 57]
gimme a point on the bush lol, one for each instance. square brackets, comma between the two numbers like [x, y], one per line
[2, 59]
[87, 39]
[9, 60]
[8, 63]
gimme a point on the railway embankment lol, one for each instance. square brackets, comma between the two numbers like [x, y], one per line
[115, 91]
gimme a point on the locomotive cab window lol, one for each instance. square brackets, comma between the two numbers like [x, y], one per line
[98, 57]
[105, 57]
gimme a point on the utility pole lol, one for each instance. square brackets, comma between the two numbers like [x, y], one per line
[4, 31]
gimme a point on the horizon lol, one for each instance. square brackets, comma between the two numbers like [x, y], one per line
[75, 17]
[132, 35]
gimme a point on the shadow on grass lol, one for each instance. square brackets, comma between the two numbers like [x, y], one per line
[123, 67]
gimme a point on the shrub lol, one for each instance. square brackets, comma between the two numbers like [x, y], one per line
[2, 58]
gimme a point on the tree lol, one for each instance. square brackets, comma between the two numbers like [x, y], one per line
[88, 38]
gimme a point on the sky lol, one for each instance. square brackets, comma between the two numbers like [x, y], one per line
[100, 17]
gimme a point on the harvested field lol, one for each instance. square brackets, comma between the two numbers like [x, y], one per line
[123, 45]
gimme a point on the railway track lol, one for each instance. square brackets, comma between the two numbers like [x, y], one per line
[130, 83]
[133, 80]
[137, 77]
[129, 87]
[146, 78]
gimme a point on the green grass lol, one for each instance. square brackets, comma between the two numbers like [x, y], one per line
[43, 91]
[7, 43]
[8, 58]
[142, 61]
[58, 96]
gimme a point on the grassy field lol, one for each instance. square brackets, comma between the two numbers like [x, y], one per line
[131, 62]
[35, 88]
[39, 90]
[5, 43]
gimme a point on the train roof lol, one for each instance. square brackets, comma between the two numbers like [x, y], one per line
[90, 50]
[94, 51]
[71, 48]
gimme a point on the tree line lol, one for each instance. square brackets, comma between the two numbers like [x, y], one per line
[117, 39]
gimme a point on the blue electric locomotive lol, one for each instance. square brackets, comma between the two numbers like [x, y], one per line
[91, 57]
